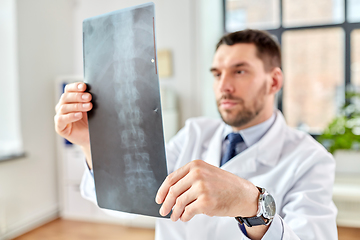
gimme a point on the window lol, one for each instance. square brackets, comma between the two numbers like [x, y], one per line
[308, 12]
[10, 136]
[355, 57]
[312, 74]
[325, 61]
[261, 14]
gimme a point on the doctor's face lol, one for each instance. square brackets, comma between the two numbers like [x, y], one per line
[241, 85]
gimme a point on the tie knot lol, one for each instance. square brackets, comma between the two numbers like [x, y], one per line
[234, 138]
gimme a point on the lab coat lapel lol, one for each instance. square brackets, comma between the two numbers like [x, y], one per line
[271, 145]
[243, 162]
[213, 154]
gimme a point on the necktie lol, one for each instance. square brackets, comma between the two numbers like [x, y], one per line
[234, 139]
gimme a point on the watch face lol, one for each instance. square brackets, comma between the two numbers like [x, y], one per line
[269, 205]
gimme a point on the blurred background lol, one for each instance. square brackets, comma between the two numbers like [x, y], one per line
[41, 50]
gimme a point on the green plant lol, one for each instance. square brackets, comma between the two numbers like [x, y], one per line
[344, 131]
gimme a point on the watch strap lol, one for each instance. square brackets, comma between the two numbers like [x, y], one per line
[251, 221]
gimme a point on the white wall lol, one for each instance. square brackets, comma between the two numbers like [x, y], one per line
[10, 137]
[28, 189]
[211, 29]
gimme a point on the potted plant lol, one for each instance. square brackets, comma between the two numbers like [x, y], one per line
[342, 136]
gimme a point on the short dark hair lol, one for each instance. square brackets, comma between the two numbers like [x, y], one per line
[268, 50]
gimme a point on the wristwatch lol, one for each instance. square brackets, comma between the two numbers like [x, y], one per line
[266, 211]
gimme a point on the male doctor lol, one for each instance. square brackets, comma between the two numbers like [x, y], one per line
[244, 176]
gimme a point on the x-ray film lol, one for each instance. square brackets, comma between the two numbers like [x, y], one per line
[125, 125]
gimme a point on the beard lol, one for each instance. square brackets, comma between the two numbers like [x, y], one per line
[242, 116]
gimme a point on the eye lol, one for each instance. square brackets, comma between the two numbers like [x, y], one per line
[217, 75]
[240, 72]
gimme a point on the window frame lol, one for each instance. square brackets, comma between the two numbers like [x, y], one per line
[347, 27]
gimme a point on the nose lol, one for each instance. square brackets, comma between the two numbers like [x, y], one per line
[226, 83]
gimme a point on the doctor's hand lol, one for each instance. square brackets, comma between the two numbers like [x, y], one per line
[71, 116]
[200, 188]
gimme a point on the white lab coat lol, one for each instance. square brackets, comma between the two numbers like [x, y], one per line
[290, 164]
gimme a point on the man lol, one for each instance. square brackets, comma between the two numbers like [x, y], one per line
[240, 166]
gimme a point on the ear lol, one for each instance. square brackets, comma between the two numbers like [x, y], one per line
[276, 80]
